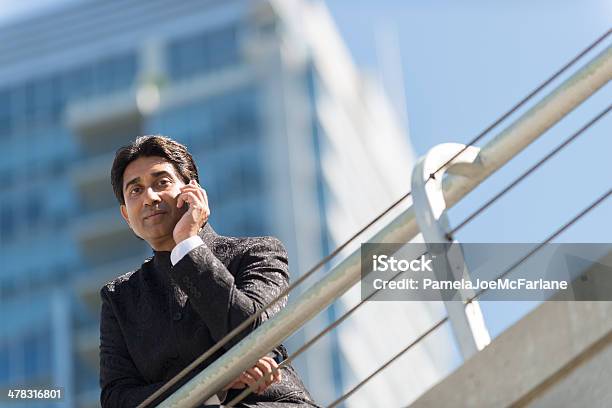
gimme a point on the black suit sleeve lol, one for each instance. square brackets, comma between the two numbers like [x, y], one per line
[120, 382]
[223, 300]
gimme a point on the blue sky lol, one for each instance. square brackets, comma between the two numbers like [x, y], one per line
[460, 65]
[464, 64]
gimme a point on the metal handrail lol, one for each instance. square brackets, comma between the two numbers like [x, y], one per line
[465, 303]
[511, 141]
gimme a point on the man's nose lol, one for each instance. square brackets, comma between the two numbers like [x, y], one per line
[151, 197]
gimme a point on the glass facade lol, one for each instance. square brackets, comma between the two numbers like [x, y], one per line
[203, 53]
[224, 135]
[39, 151]
[37, 245]
[63, 224]
[39, 102]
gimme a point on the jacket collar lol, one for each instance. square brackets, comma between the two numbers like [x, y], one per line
[161, 259]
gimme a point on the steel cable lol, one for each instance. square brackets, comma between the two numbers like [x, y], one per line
[528, 172]
[565, 226]
[555, 234]
[528, 97]
[330, 327]
[238, 329]
[308, 344]
[389, 362]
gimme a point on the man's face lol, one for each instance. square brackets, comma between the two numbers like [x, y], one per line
[151, 187]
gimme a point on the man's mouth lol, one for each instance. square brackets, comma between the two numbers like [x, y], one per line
[155, 215]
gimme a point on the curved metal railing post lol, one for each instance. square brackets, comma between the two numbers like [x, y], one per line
[430, 208]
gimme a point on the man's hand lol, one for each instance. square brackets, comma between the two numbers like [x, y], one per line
[196, 215]
[263, 367]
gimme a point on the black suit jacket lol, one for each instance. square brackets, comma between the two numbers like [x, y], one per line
[158, 319]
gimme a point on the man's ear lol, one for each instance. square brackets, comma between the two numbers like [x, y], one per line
[124, 213]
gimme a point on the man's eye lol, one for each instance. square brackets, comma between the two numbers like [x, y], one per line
[135, 190]
[164, 182]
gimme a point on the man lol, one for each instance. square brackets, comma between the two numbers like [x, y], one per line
[195, 289]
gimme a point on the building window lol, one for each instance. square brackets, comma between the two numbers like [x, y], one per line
[126, 69]
[203, 53]
[27, 360]
[34, 211]
[31, 350]
[78, 83]
[222, 47]
[5, 114]
[4, 364]
[7, 223]
[115, 73]
[7, 177]
[45, 98]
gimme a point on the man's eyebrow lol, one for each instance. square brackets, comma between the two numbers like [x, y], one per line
[161, 173]
[132, 181]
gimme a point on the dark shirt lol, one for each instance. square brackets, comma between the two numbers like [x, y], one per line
[158, 319]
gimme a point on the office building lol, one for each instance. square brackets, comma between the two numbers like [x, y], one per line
[290, 137]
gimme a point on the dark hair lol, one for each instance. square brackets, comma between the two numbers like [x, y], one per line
[152, 145]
